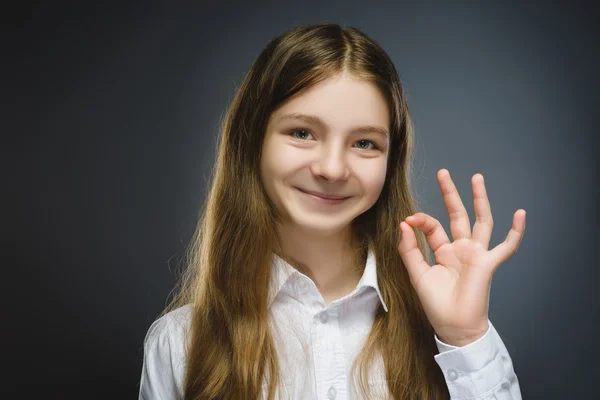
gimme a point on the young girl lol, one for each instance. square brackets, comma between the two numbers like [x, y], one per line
[309, 276]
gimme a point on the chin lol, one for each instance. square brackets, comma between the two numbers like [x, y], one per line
[321, 226]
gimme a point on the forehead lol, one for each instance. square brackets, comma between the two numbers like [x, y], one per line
[340, 101]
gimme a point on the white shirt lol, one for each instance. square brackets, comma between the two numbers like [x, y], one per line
[316, 345]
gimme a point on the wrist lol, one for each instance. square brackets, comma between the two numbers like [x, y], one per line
[463, 338]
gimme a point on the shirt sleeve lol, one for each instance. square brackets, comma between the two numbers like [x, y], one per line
[481, 370]
[162, 367]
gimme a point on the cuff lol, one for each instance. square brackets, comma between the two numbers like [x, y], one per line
[472, 370]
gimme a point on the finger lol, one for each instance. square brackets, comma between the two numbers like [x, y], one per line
[506, 249]
[431, 227]
[459, 219]
[411, 254]
[484, 223]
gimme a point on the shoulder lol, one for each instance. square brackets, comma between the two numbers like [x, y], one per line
[170, 328]
[165, 353]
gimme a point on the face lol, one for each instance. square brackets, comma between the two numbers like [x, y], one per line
[330, 140]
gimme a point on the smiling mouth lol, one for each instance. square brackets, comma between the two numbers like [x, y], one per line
[324, 197]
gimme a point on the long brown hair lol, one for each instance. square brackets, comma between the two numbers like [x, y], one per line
[229, 259]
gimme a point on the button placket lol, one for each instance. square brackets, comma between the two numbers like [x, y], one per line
[328, 353]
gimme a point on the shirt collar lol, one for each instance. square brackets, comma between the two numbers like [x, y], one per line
[369, 277]
[282, 271]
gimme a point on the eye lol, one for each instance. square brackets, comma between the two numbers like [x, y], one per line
[303, 131]
[368, 142]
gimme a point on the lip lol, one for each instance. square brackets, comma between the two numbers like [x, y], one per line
[320, 198]
[324, 196]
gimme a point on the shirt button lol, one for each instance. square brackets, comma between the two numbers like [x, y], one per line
[452, 374]
[331, 393]
[301, 284]
[324, 316]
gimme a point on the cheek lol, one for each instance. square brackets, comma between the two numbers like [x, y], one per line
[275, 166]
[285, 161]
[269, 159]
[373, 180]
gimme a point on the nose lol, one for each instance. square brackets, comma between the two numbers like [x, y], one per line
[331, 165]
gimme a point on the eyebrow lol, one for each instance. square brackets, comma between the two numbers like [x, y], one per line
[313, 119]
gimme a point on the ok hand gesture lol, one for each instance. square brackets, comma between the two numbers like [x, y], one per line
[455, 291]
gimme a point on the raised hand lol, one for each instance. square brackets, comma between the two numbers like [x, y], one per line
[455, 291]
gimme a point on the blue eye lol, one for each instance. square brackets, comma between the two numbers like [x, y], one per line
[299, 130]
[306, 132]
[369, 142]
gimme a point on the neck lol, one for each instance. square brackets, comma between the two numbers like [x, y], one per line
[329, 260]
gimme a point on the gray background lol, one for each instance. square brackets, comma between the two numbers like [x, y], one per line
[109, 120]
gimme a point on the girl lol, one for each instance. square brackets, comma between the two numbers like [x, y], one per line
[309, 276]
